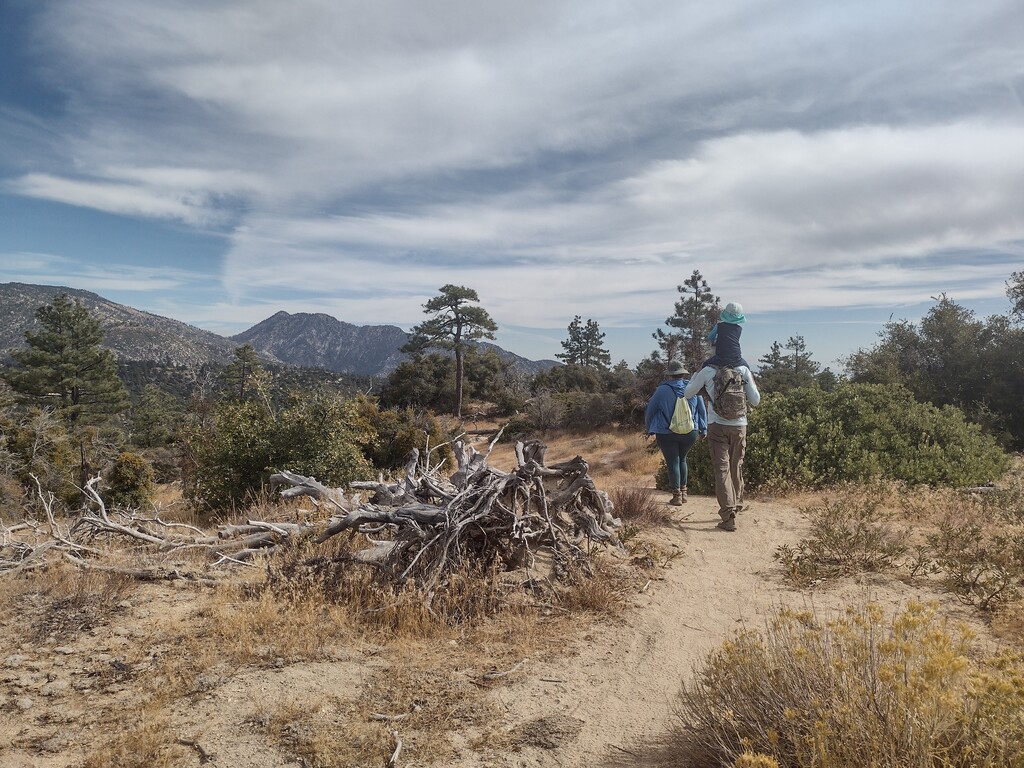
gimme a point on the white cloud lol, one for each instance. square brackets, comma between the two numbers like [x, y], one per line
[850, 217]
[124, 199]
[560, 157]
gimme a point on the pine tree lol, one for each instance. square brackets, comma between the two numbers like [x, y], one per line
[244, 377]
[64, 366]
[1015, 292]
[455, 323]
[695, 313]
[780, 371]
[584, 346]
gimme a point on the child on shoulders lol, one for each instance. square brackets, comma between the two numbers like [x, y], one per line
[725, 335]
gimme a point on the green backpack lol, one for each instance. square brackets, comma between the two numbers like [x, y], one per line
[682, 418]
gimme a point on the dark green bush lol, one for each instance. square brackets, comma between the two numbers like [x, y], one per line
[230, 456]
[861, 432]
[398, 431]
[130, 482]
[588, 410]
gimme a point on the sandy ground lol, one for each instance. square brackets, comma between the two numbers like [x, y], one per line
[620, 688]
[608, 697]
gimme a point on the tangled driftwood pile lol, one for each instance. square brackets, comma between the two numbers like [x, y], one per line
[420, 528]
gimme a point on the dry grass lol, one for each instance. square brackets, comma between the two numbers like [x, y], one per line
[637, 504]
[972, 542]
[64, 601]
[148, 741]
[601, 591]
[858, 690]
[323, 733]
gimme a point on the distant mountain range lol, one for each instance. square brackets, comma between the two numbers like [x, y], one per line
[301, 339]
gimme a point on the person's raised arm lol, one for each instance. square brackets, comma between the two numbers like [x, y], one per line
[698, 382]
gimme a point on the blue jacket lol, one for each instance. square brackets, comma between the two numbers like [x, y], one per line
[663, 403]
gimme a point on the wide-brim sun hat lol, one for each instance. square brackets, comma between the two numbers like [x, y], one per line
[675, 368]
[733, 313]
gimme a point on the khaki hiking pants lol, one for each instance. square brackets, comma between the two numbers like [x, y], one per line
[727, 445]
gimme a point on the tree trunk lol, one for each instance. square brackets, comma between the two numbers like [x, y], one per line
[459, 370]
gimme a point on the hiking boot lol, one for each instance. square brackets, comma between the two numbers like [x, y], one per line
[682, 494]
[677, 499]
[728, 520]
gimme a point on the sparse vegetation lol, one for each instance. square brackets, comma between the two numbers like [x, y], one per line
[851, 532]
[862, 689]
[973, 541]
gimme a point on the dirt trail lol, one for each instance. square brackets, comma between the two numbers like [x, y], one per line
[618, 692]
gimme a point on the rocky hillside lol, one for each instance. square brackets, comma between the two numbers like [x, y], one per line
[132, 334]
[321, 341]
[301, 339]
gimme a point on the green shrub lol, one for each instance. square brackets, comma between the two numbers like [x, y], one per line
[37, 446]
[858, 433]
[398, 430]
[230, 456]
[863, 432]
[130, 482]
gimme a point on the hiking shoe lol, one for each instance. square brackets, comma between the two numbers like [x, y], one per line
[676, 500]
[727, 525]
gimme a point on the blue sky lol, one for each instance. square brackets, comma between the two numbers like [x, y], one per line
[828, 164]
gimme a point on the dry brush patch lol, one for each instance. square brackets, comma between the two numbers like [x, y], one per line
[969, 542]
[861, 689]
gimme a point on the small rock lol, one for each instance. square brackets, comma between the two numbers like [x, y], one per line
[24, 703]
[57, 744]
[56, 688]
[207, 681]
[550, 732]
[15, 660]
[23, 681]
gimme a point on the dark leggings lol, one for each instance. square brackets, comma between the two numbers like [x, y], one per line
[674, 448]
